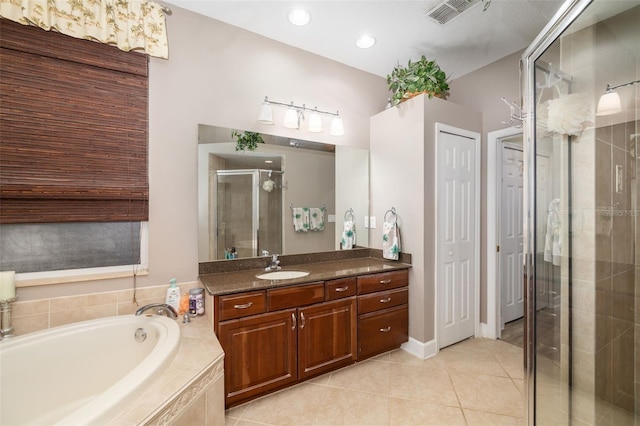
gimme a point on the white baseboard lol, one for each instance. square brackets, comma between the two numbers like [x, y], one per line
[487, 332]
[420, 349]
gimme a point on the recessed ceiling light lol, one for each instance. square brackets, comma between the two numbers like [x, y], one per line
[299, 17]
[365, 41]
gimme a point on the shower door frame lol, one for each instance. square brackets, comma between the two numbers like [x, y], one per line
[563, 18]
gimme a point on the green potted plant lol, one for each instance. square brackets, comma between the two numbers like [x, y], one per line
[247, 140]
[418, 77]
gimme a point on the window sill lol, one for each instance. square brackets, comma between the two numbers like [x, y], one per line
[64, 277]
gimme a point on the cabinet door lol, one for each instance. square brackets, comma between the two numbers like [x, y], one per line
[326, 336]
[260, 354]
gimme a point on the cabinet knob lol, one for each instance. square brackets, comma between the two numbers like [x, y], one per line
[387, 300]
[301, 320]
[385, 330]
[244, 306]
[387, 281]
[341, 289]
[294, 321]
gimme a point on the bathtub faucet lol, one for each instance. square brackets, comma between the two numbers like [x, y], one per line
[161, 309]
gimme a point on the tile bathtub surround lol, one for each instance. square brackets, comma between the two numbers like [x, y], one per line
[36, 315]
[192, 387]
[475, 382]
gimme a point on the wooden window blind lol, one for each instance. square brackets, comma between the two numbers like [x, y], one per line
[73, 129]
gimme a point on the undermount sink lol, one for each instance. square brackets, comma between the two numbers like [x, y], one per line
[282, 275]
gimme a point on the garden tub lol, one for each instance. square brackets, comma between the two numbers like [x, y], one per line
[83, 373]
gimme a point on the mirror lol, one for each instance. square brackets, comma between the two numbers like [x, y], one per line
[246, 200]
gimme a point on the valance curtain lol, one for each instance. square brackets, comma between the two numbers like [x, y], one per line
[128, 24]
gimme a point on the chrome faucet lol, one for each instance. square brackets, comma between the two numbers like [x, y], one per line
[161, 309]
[274, 265]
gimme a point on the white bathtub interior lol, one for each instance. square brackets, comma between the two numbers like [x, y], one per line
[83, 373]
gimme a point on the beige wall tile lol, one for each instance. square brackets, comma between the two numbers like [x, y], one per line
[215, 403]
[75, 302]
[82, 314]
[32, 307]
[194, 414]
[30, 323]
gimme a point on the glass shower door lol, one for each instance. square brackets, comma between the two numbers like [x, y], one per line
[237, 220]
[583, 267]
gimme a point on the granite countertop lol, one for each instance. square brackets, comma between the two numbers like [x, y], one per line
[238, 281]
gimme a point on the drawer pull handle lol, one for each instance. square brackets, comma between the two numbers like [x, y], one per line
[341, 289]
[294, 321]
[301, 320]
[245, 306]
[385, 330]
[387, 300]
[387, 281]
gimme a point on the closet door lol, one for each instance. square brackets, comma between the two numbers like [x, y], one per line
[457, 242]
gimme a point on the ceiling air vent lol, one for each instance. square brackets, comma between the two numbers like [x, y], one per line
[449, 9]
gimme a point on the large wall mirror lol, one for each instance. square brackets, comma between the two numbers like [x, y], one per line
[247, 200]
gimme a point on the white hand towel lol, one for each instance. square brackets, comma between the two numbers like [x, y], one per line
[316, 217]
[553, 238]
[348, 235]
[300, 219]
[390, 241]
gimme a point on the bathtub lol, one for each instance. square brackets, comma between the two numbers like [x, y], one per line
[83, 373]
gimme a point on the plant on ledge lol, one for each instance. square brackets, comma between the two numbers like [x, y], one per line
[247, 140]
[416, 78]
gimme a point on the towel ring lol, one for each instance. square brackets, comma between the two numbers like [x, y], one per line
[393, 214]
[348, 213]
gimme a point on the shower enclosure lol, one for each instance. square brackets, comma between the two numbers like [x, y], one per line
[582, 271]
[248, 216]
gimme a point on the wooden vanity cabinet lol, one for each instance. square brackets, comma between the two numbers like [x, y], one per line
[326, 337]
[301, 335]
[260, 354]
[383, 312]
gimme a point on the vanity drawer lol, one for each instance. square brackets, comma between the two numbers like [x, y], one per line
[382, 331]
[242, 305]
[292, 297]
[383, 281]
[337, 289]
[382, 300]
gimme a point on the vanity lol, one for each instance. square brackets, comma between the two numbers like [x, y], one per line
[278, 332]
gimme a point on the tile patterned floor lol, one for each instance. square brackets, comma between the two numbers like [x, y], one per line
[475, 382]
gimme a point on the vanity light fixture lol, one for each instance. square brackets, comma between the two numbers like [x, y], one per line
[609, 103]
[315, 122]
[299, 17]
[265, 116]
[295, 114]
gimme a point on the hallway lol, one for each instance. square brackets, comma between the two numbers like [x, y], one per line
[475, 382]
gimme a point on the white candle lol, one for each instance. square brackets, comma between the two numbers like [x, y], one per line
[7, 285]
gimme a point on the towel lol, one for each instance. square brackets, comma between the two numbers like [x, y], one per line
[316, 218]
[390, 240]
[552, 238]
[300, 219]
[348, 235]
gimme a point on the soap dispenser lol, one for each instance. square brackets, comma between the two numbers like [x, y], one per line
[173, 295]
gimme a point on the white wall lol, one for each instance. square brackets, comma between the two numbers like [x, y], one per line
[218, 75]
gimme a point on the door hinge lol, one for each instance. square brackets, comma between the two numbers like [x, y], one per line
[498, 248]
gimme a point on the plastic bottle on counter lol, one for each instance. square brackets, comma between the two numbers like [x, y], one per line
[173, 295]
[196, 301]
